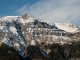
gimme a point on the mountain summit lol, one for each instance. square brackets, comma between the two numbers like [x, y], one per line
[21, 31]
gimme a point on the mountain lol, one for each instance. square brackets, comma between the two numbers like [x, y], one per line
[68, 27]
[22, 31]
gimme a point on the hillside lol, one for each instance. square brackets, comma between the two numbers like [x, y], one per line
[22, 31]
[8, 53]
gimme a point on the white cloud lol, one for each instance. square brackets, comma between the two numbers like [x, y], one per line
[54, 10]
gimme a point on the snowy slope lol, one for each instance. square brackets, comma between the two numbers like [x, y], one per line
[17, 33]
[68, 27]
[19, 19]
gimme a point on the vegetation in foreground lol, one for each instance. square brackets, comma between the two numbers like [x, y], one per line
[8, 53]
[57, 52]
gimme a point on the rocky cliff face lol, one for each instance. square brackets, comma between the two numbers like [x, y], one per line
[21, 31]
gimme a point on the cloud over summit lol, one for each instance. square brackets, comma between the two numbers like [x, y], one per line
[56, 11]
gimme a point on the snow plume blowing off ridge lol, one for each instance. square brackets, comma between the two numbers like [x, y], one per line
[21, 31]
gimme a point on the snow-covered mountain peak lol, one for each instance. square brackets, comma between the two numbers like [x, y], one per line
[68, 27]
[25, 18]
[10, 19]
[17, 32]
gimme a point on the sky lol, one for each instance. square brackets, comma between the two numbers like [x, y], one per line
[51, 11]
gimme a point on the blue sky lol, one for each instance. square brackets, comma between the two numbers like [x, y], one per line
[9, 7]
[51, 11]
